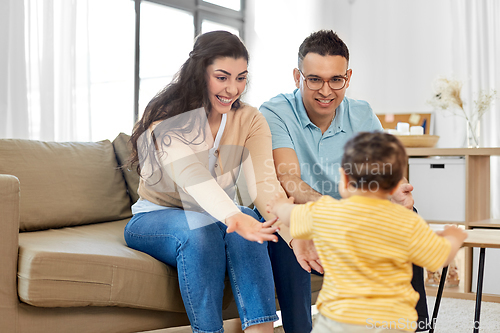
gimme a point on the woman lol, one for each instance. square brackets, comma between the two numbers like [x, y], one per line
[191, 143]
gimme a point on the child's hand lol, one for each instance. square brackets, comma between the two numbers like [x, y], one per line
[456, 237]
[274, 205]
[454, 231]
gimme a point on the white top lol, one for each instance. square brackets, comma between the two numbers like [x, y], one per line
[214, 152]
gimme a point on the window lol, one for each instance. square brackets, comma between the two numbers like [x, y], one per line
[167, 29]
[207, 25]
[231, 4]
[111, 57]
[79, 69]
[91, 65]
[166, 40]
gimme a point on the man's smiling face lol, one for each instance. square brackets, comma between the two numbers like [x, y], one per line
[322, 103]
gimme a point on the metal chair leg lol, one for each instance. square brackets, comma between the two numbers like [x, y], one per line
[479, 291]
[438, 298]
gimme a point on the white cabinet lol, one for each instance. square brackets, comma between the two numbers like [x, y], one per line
[439, 187]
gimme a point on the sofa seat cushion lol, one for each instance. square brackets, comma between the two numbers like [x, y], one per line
[92, 266]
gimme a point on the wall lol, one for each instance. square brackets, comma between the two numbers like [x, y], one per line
[397, 47]
[273, 33]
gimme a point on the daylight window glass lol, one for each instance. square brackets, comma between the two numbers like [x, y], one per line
[231, 4]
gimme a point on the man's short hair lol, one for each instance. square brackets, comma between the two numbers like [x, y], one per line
[374, 160]
[323, 42]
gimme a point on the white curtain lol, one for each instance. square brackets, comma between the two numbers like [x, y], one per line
[13, 103]
[46, 79]
[476, 49]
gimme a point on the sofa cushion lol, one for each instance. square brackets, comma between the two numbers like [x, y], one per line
[91, 266]
[123, 150]
[65, 184]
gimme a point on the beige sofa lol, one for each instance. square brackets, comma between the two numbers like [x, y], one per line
[64, 265]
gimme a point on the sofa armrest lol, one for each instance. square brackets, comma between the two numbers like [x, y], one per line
[9, 244]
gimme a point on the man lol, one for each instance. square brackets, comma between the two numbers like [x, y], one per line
[309, 129]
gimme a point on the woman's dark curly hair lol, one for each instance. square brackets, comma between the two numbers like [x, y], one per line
[188, 89]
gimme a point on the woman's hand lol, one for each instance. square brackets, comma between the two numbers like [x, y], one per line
[251, 229]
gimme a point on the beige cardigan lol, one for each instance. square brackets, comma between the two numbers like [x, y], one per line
[176, 173]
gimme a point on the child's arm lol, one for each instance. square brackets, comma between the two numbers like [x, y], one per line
[281, 207]
[456, 237]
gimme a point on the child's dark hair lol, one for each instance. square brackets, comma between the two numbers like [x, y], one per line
[374, 158]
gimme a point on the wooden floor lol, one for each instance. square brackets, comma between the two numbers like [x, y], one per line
[230, 326]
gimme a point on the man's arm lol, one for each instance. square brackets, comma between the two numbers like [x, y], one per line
[288, 172]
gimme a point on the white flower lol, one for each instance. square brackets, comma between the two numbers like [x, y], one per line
[447, 97]
[446, 93]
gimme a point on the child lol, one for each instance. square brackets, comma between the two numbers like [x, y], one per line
[367, 244]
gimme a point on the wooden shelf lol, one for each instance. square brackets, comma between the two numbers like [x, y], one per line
[477, 205]
[415, 152]
[446, 222]
[489, 223]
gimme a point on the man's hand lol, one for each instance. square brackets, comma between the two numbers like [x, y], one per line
[403, 195]
[306, 255]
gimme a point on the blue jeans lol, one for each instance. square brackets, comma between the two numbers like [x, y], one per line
[202, 257]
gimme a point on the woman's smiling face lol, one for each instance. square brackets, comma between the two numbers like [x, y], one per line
[226, 81]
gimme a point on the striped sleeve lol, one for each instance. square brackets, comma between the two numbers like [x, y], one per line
[301, 221]
[427, 249]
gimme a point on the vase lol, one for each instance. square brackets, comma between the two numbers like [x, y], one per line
[473, 129]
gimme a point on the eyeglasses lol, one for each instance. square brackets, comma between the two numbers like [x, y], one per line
[316, 83]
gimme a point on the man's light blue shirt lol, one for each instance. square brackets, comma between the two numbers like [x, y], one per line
[319, 154]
